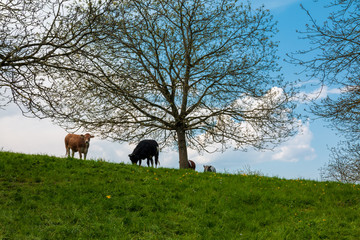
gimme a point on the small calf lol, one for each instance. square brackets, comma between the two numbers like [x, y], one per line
[77, 143]
[209, 168]
[192, 165]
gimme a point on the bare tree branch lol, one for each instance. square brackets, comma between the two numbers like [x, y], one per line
[334, 59]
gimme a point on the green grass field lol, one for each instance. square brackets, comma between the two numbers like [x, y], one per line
[45, 197]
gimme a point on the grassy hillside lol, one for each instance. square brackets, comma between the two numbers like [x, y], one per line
[46, 197]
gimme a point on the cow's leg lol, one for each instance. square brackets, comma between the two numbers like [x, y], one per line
[157, 160]
[73, 153]
[80, 154]
[85, 153]
[67, 152]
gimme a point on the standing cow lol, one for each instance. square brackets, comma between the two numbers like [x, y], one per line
[77, 143]
[209, 168]
[192, 165]
[146, 149]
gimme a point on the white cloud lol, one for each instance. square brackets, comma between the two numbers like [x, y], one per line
[317, 94]
[34, 136]
[248, 132]
[27, 135]
[297, 148]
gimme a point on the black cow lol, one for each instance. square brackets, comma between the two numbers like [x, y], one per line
[146, 149]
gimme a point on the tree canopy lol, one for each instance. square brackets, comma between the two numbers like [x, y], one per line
[37, 39]
[199, 74]
[344, 163]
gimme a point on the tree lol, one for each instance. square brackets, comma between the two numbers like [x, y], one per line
[334, 58]
[36, 39]
[199, 73]
[344, 164]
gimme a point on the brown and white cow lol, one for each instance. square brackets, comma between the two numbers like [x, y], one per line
[77, 143]
[192, 165]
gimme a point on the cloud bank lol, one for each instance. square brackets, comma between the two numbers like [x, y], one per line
[33, 136]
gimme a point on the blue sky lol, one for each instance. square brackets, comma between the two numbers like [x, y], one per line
[300, 157]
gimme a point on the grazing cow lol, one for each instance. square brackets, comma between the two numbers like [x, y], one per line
[77, 143]
[146, 149]
[209, 168]
[192, 165]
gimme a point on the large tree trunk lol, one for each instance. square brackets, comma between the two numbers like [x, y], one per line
[183, 156]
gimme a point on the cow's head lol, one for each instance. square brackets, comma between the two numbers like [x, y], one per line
[133, 158]
[87, 137]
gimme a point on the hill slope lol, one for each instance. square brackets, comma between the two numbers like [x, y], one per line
[46, 197]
